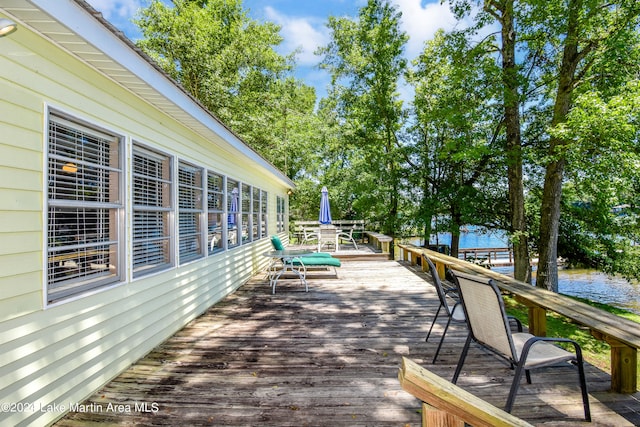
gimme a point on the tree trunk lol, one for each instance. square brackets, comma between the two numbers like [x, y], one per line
[455, 243]
[547, 276]
[455, 232]
[522, 265]
[392, 217]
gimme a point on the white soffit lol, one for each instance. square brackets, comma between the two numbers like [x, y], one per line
[77, 28]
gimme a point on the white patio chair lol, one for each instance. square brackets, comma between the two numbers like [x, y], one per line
[327, 235]
[347, 236]
[489, 327]
[308, 235]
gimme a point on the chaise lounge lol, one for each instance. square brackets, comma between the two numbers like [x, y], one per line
[298, 264]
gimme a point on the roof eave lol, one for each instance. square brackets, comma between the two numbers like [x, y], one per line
[78, 28]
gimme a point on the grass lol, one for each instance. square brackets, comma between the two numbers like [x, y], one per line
[595, 352]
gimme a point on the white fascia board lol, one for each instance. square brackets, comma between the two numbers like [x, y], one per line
[75, 17]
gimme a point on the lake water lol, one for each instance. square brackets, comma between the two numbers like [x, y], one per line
[584, 283]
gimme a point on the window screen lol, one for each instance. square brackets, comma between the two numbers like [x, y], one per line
[233, 209]
[215, 211]
[152, 210]
[190, 211]
[85, 208]
[263, 214]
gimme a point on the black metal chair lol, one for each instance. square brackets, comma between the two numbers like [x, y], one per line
[489, 327]
[446, 296]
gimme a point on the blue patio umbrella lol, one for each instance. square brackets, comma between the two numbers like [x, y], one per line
[325, 210]
[233, 209]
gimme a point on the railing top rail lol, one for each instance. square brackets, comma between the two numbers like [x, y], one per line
[447, 397]
[622, 329]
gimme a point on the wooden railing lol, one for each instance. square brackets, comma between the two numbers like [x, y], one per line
[344, 224]
[447, 405]
[380, 241]
[621, 334]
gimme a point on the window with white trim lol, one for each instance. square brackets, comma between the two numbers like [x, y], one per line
[85, 208]
[215, 212]
[255, 213]
[233, 209]
[263, 214]
[246, 213]
[190, 211]
[152, 211]
[280, 212]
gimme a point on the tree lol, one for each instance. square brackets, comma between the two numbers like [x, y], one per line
[229, 63]
[561, 44]
[457, 155]
[599, 226]
[504, 13]
[583, 33]
[366, 63]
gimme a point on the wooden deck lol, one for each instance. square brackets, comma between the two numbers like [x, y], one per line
[329, 357]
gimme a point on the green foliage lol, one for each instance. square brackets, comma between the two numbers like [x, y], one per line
[577, 64]
[446, 155]
[364, 58]
[595, 351]
[229, 63]
[456, 154]
[600, 202]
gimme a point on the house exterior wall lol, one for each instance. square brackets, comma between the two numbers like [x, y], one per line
[55, 355]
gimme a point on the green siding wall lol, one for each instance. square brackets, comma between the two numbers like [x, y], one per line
[61, 354]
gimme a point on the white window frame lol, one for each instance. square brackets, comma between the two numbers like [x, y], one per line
[152, 240]
[232, 187]
[280, 214]
[216, 213]
[256, 211]
[245, 213]
[191, 212]
[85, 208]
[264, 213]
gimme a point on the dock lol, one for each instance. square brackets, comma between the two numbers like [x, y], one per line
[493, 257]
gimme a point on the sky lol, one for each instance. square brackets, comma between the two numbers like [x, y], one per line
[303, 25]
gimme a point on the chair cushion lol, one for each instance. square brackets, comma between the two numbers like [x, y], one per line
[541, 353]
[317, 261]
[277, 243]
[322, 255]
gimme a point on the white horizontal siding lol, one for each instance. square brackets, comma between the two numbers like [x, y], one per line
[63, 353]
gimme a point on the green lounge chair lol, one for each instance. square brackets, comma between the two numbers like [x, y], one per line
[298, 264]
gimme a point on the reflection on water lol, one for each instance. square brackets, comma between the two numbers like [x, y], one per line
[472, 238]
[584, 283]
[597, 286]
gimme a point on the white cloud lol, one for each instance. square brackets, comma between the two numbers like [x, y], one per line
[119, 9]
[120, 13]
[421, 22]
[303, 33]
[307, 33]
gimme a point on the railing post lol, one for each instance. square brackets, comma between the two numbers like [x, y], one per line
[537, 317]
[440, 268]
[432, 416]
[624, 362]
[624, 365]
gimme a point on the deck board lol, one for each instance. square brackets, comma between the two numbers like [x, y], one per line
[328, 357]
